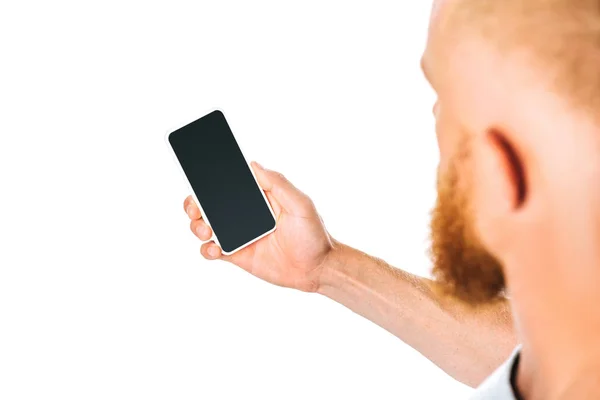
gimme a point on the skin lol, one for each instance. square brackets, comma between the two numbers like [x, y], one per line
[538, 212]
[533, 171]
[466, 343]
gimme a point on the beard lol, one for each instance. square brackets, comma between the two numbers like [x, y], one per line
[462, 265]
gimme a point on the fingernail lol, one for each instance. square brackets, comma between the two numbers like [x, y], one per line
[200, 230]
[213, 251]
[188, 210]
[258, 165]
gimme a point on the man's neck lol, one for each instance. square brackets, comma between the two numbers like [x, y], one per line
[582, 383]
[560, 342]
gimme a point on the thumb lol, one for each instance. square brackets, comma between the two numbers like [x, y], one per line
[290, 198]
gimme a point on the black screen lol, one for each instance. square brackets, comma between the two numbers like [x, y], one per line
[221, 179]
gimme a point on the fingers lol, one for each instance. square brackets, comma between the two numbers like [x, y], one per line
[201, 229]
[191, 209]
[274, 204]
[268, 179]
[210, 251]
[287, 195]
[197, 224]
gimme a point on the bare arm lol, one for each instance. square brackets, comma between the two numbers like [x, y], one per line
[465, 343]
[301, 254]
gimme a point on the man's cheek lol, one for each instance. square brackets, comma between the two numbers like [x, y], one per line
[450, 138]
[444, 145]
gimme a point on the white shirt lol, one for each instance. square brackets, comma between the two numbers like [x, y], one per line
[499, 385]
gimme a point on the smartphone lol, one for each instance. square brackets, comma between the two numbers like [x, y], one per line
[223, 184]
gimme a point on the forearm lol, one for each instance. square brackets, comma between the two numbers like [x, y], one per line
[466, 343]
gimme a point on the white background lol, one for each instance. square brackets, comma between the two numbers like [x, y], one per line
[103, 293]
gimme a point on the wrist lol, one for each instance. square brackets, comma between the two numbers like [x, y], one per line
[333, 268]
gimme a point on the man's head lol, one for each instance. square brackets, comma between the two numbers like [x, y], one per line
[518, 114]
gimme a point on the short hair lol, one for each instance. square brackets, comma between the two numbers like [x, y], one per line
[561, 37]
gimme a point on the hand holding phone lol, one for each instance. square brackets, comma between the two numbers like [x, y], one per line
[294, 255]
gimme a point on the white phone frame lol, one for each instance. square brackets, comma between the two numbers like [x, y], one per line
[189, 185]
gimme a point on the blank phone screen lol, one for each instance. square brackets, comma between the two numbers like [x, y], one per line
[222, 181]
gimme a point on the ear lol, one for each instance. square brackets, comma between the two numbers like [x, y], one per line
[500, 186]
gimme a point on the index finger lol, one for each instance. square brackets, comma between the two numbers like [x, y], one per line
[191, 209]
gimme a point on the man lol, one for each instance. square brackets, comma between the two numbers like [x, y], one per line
[518, 211]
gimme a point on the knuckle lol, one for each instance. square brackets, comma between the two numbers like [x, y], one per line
[306, 201]
[279, 175]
